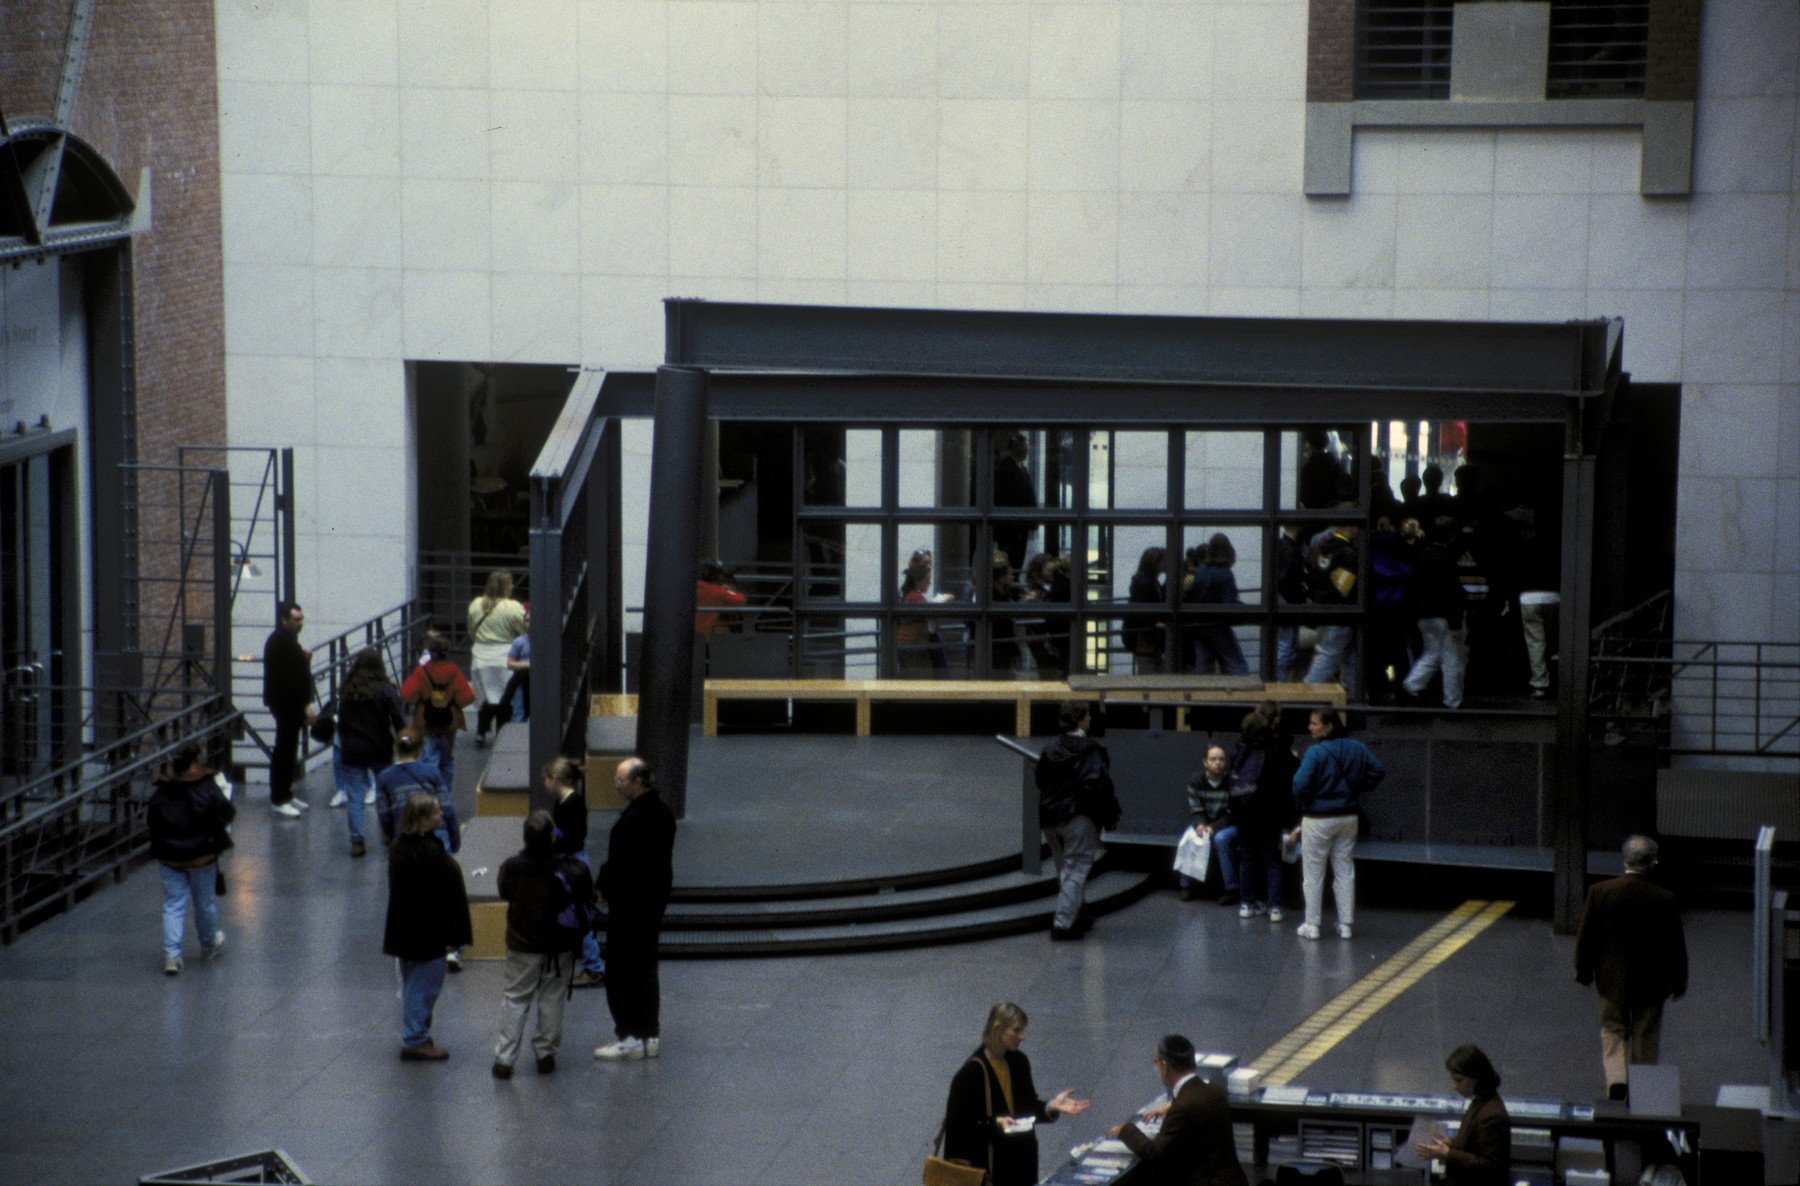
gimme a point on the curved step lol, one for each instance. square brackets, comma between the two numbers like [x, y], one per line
[974, 894]
[1106, 892]
[849, 887]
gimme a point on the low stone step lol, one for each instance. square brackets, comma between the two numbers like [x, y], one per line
[979, 893]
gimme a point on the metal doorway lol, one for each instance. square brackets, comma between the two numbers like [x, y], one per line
[38, 618]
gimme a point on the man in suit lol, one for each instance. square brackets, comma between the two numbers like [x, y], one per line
[1195, 1146]
[1630, 947]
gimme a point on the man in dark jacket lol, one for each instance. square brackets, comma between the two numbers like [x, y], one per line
[1435, 600]
[1630, 947]
[427, 918]
[288, 695]
[1075, 804]
[187, 817]
[1195, 1146]
[635, 882]
[537, 885]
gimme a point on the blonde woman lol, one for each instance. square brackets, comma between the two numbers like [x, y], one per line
[994, 1106]
[495, 619]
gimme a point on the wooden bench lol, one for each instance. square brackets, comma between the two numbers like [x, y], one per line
[865, 692]
[1182, 691]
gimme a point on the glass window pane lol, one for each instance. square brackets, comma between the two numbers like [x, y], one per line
[919, 454]
[1140, 470]
[822, 474]
[1222, 565]
[862, 467]
[1224, 471]
[862, 562]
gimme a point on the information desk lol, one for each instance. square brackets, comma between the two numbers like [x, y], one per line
[1362, 1131]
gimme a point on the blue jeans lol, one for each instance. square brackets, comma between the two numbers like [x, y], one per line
[420, 983]
[440, 751]
[178, 886]
[1287, 651]
[590, 943]
[1336, 659]
[354, 782]
[1217, 644]
[1224, 846]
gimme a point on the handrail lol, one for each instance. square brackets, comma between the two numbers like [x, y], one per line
[1016, 748]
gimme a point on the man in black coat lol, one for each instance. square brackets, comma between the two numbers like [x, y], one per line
[635, 882]
[1075, 803]
[288, 695]
[1195, 1146]
[1630, 947]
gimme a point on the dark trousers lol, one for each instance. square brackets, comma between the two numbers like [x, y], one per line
[633, 987]
[284, 758]
[1260, 874]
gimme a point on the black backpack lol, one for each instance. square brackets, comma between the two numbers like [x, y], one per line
[577, 914]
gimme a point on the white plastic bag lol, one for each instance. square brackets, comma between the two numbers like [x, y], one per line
[1194, 854]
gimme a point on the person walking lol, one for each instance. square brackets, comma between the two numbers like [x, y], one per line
[436, 693]
[1334, 775]
[537, 885]
[993, 1109]
[1631, 948]
[187, 817]
[368, 714]
[288, 694]
[1076, 802]
[635, 883]
[495, 619]
[427, 917]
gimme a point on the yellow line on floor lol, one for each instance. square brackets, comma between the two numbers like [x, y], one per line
[1343, 1014]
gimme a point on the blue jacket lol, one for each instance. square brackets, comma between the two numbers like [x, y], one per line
[1334, 775]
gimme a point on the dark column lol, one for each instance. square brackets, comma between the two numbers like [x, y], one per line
[664, 693]
[1570, 813]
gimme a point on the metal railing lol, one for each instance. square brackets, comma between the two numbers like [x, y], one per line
[82, 823]
[448, 581]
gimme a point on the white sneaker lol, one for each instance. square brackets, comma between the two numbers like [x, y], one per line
[652, 1047]
[285, 810]
[1343, 930]
[1251, 909]
[1274, 914]
[369, 797]
[218, 945]
[624, 1050]
[1307, 931]
[339, 799]
[302, 804]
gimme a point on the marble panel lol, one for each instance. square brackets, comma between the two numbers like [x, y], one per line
[352, 41]
[445, 224]
[1540, 241]
[265, 127]
[625, 229]
[979, 146]
[1790, 338]
[1225, 301]
[306, 507]
[1074, 51]
[1071, 298]
[356, 312]
[268, 309]
[1375, 160]
[266, 218]
[1653, 329]
[1543, 160]
[1257, 146]
[1537, 304]
[1441, 304]
[624, 46]
[1744, 146]
[443, 43]
[1637, 243]
[1446, 160]
[801, 234]
[622, 322]
[961, 295]
[1348, 243]
[1749, 48]
[448, 315]
[802, 48]
[363, 491]
[1255, 241]
[1720, 336]
[984, 51]
[1073, 238]
[1166, 52]
[356, 131]
[892, 143]
[259, 42]
[267, 395]
[623, 139]
[1726, 605]
[1165, 146]
[532, 46]
[712, 231]
[1787, 532]
[892, 49]
[357, 575]
[795, 290]
[1176, 300]
[1726, 429]
[1618, 161]
[801, 142]
[1726, 524]
[712, 140]
[1164, 239]
[1788, 401]
[1074, 144]
[1443, 241]
[712, 48]
[356, 220]
[1785, 626]
[1737, 241]
[1259, 51]
[889, 294]
[534, 136]
[444, 133]
[359, 400]
[1793, 243]
[537, 317]
[1352, 303]
[892, 236]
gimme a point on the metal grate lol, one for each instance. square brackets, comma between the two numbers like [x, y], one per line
[1598, 50]
[1403, 49]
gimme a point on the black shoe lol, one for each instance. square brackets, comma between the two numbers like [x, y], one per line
[1616, 1091]
[502, 1071]
[1065, 934]
[546, 1064]
[1190, 894]
[1229, 898]
[587, 979]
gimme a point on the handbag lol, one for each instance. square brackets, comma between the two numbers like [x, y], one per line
[324, 729]
[940, 1171]
[1193, 856]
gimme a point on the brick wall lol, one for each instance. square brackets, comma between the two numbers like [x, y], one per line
[1331, 51]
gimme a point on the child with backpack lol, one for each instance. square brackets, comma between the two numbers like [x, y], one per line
[435, 694]
[550, 904]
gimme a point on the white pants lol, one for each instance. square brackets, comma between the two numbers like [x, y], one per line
[1442, 649]
[1328, 838]
[1536, 620]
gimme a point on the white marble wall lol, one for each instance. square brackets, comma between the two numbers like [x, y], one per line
[491, 180]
